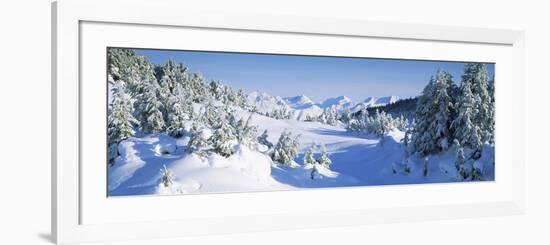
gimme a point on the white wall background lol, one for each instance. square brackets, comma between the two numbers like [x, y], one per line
[25, 122]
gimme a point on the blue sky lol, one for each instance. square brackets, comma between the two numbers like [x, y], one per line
[317, 77]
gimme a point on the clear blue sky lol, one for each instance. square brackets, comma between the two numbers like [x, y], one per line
[317, 77]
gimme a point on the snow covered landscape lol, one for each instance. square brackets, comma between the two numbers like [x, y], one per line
[171, 131]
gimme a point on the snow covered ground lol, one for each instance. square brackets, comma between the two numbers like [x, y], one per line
[358, 159]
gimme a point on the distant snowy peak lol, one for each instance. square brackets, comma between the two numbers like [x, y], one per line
[312, 111]
[304, 107]
[339, 102]
[299, 102]
[387, 100]
[373, 102]
[265, 102]
[259, 96]
[370, 100]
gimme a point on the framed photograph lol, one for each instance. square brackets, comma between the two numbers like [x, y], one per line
[170, 125]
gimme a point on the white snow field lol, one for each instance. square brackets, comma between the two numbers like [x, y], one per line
[358, 159]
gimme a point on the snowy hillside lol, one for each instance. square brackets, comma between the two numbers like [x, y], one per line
[358, 159]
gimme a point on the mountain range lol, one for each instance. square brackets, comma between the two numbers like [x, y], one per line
[303, 106]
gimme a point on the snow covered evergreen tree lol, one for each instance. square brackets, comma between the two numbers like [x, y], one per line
[120, 121]
[324, 158]
[286, 149]
[210, 113]
[380, 124]
[443, 117]
[222, 138]
[345, 116]
[173, 74]
[476, 75]
[308, 156]
[491, 118]
[164, 97]
[262, 139]
[197, 85]
[460, 159]
[242, 101]
[406, 154]
[197, 142]
[280, 113]
[143, 74]
[246, 133]
[466, 131]
[166, 176]
[217, 89]
[151, 117]
[433, 116]
[123, 66]
[179, 110]
[329, 116]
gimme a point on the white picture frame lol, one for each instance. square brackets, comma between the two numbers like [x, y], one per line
[70, 198]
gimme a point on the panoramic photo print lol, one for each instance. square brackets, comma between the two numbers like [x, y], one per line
[192, 122]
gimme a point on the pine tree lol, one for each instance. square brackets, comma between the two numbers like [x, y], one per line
[222, 137]
[475, 74]
[345, 117]
[406, 153]
[329, 116]
[120, 120]
[217, 90]
[164, 96]
[491, 121]
[465, 130]
[286, 149]
[324, 158]
[166, 176]
[281, 113]
[196, 141]
[143, 75]
[198, 87]
[308, 156]
[246, 133]
[173, 74]
[152, 119]
[179, 110]
[379, 124]
[460, 159]
[242, 101]
[433, 116]
[262, 139]
[122, 65]
[422, 138]
[119, 60]
[444, 101]
[210, 113]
